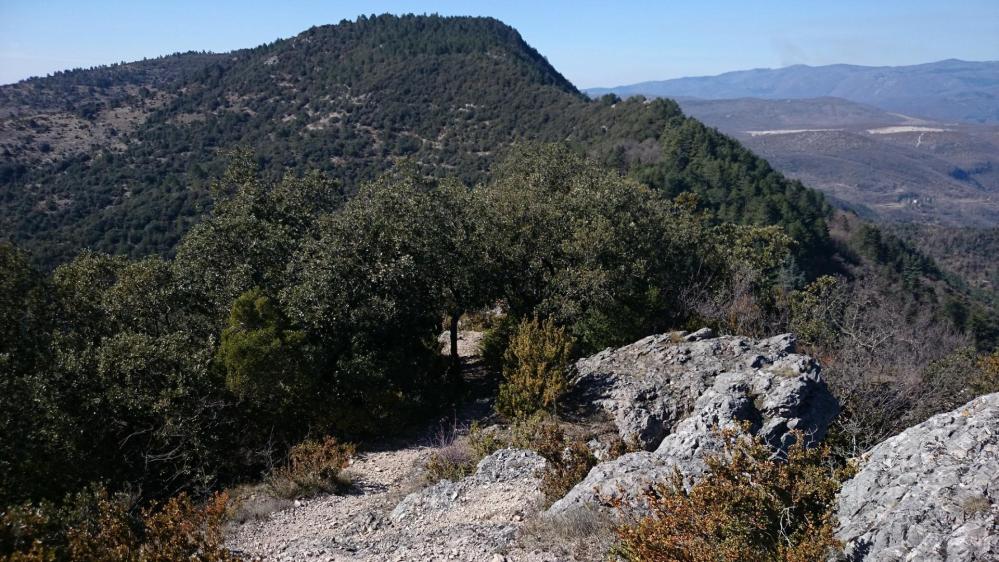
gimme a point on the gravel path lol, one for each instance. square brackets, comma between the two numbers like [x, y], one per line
[476, 522]
[337, 527]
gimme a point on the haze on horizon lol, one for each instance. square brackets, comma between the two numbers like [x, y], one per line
[591, 43]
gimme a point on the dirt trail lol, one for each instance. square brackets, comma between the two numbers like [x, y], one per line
[357, 526]
[332, 527]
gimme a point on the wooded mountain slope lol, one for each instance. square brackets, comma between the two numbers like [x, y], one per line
[119, 158]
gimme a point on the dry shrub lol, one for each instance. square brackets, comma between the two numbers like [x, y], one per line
[534, 370]
[176, 530]
[890, 362]
[451, 462]
[750, 505]
[101, 528]
[313, 467]
[986, 380]
[568, 460]
[254, 503]
[456, 456]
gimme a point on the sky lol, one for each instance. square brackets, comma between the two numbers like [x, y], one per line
[591, 43]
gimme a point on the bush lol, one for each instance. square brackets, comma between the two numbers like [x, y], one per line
[496, 340]
[568, 461]
[261, 356]
[749, 506]
[313, 467]
[457, 457]
[535, 367]
[987, 380]
[94, 526]
[451, 462]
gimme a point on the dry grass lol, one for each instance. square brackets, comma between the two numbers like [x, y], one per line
[450, 462]
[255, 503]
[974, 505]
[458, 450]
[586, 533]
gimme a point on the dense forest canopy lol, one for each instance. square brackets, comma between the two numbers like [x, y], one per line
[349, 100]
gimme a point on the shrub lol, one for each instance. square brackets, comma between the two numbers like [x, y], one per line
[535, 367]
[567, 460]
[457, 457]
[260, 355]
[813, 311]
[451, 462]
[986, 380]
[495, 341]
[749, 506]
[94, 526]
[313, 467]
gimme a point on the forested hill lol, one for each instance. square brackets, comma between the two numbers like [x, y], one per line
[120, 158]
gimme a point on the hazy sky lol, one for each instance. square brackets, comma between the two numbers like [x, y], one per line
[591, 43]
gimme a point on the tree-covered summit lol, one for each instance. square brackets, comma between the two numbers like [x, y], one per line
[449, 94]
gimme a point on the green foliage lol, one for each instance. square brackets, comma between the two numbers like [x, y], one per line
[264, 361]
[619, 260]
[371, 289]
[449, 93]
[813, 311]
[27, 320]
[749, 506]
[611, 248]
[123, 392]
[254, 229]
[737, 186]
[496, 339]
[892, 252]
[534, 371]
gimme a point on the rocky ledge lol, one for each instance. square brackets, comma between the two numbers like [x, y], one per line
[929, 493]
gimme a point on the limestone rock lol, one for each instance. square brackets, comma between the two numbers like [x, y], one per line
[505, 484]
[929, 493]
[670, 393]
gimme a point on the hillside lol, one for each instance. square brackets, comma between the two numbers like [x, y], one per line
[949, 90]
[395, 289]
[883, 165]
[968, 252]
[125, 166]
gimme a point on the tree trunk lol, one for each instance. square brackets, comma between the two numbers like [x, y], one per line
[455, 360]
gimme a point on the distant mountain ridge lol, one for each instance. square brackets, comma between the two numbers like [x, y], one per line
[949, 90]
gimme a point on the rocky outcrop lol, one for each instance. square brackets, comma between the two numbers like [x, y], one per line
[929, 493]
[669, 393]
[505, 484]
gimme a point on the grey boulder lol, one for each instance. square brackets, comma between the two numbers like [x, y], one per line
[671, 393]
[929, 493]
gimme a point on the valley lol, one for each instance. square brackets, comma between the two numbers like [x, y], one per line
[882, 165]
